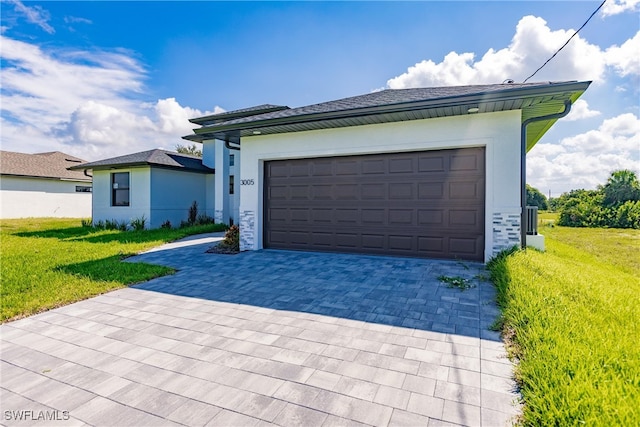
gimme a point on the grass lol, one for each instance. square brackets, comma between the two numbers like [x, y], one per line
[47, 262]
[571, 316]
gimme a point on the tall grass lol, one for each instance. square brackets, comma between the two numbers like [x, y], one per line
[46, 263]
[572, 319]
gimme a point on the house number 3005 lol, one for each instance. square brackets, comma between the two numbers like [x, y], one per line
[246, 182]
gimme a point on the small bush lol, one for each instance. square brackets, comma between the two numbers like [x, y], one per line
[139, 223]
[86, 222]
[99, 225]
[230, 244]
[204, 219]
[193, 213]
[114, 224]
[232, 238]
[166, 225]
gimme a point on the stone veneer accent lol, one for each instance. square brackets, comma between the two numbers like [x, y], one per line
[218, 217]
[506, 231]
[247, 230]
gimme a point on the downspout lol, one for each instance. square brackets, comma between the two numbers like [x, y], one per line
[523, 166]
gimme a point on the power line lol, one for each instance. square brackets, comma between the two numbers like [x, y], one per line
[567, 42]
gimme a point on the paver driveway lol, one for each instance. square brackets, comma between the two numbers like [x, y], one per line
[267, 337]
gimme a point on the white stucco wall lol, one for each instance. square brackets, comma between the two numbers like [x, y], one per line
[225, 206]
[172, 194]
[22, 197]
[498, 132]
[139, 195]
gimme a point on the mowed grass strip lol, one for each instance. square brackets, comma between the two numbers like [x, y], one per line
[571, 316]
[46, 263]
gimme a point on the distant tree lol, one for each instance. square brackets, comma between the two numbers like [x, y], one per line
[192, 150]
[621, 186]
[615, 204]
[536, 198]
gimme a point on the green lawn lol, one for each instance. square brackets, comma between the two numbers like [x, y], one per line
[47, 263]
[571, 317]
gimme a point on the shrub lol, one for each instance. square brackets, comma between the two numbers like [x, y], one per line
[114, 224]
[166, 225]
[615, 204]
[139, 223]
[99, 225]
[204, 219]
[231, 239]
[193, 213]
[627, 215]
[86, 222]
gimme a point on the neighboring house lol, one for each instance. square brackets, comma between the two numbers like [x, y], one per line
[40, 185]
[156, 185]
[428, 172]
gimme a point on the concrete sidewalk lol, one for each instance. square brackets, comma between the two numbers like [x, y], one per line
[266, 338]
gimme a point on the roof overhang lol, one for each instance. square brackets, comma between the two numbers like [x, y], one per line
[534, 101]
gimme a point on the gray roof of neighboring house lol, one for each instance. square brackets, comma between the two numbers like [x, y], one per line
[393, 105]
[157, 157]
[51, 165]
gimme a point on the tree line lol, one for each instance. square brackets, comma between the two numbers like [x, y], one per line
[616, 204]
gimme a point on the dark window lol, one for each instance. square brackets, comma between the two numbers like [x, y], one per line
[83, 189]
[231, 182]
[120, 189]
[232, 160]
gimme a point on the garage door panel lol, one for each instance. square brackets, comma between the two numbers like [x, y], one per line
[373, 191]
[377, 166]
[431, 244]
[431, 164]
[462, 246]
[462, 162]
[347, 167]
[322, 168]
[401, 165]
[346, 216]
[347, 240]
[431, 217]
[403, 191]
[419, 204]
[346, 192]
[468, 190]
[431, 190]
[467, 217]
[373, 216]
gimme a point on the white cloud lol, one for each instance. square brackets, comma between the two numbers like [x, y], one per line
[587, 159]
[87, 103]
[533, 43]
[580, 110]
[626, 57]
[614, 7]
[34, 14]
[77, 20]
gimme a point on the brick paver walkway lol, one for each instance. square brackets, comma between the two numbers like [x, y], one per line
[264, 338]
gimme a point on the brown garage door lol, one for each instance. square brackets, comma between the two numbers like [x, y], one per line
[425, 204]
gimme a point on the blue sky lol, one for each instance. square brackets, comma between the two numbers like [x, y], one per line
[99, 79]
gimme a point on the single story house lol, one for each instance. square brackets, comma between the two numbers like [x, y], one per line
[40, 185]
[156, 185]
[427, 172]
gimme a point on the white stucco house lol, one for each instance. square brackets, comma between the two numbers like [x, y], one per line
[40, 185]
[427, 172]
[156, 185]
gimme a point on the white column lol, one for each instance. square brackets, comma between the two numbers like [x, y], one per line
[221, 211]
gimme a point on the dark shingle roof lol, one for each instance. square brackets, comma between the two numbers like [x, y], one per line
[244, 112]
[52, 165]
[157, 157]
[393, 105]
